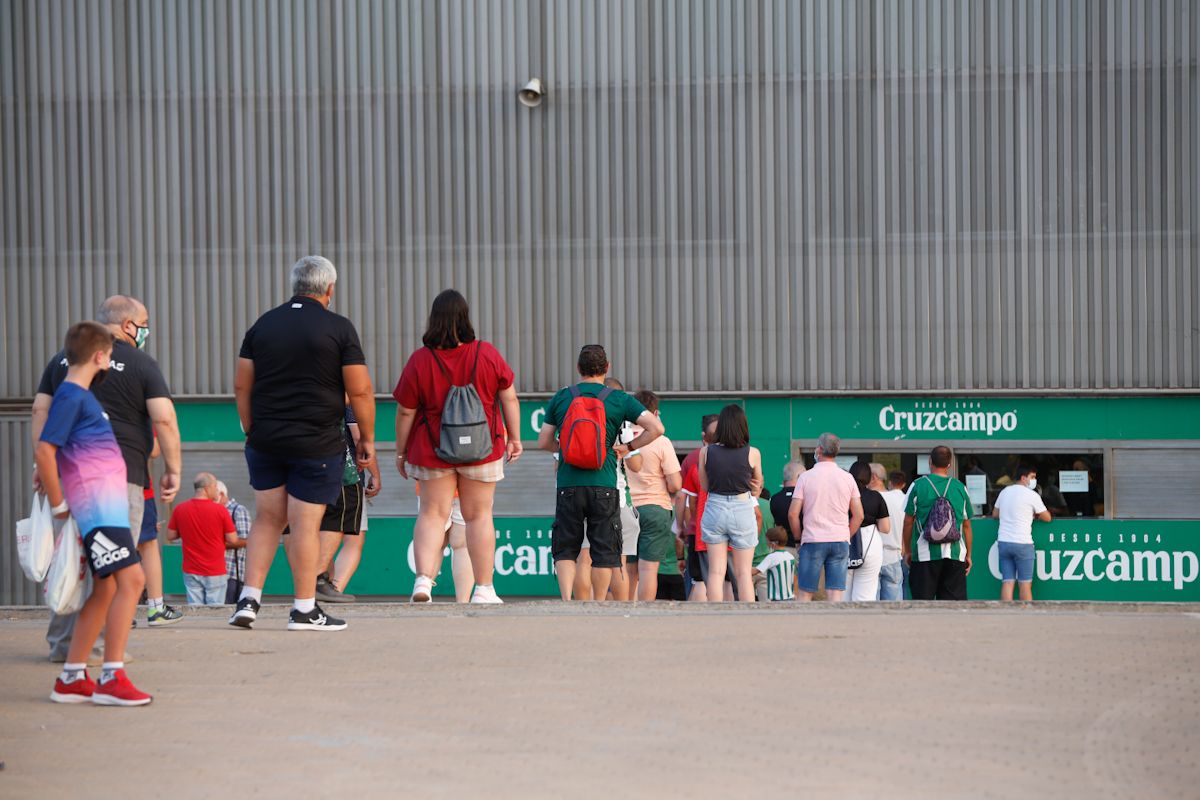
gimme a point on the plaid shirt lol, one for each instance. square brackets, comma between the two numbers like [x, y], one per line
[235, 560]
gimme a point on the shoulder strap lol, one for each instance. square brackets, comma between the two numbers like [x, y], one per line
[441, 366]
[475, 366]
[604, 393]
[574, 391]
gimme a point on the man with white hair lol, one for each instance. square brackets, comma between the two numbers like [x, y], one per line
[827, 499]
[298, 364]
[235, 557]
[135, 397]
[781, 501]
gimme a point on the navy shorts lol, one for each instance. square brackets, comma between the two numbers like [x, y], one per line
[109, 550]
[149, 532]
[313, 480]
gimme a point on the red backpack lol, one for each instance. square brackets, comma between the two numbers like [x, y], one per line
[584, 430]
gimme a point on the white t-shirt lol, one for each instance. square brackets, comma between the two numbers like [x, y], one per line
[1018, 505]
[892, 542]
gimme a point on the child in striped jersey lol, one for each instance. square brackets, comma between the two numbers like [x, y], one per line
[779, 566]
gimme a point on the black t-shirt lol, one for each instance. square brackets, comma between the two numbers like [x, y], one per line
[781, 501]
[132, 378]
[874, 507]
[297, 403]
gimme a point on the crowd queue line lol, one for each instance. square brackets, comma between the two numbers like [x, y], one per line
[627, 510]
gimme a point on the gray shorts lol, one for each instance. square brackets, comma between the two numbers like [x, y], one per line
[137, 508]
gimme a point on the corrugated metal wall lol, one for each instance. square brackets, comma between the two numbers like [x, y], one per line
[735, 196]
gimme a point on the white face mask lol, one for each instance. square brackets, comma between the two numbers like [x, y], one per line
[1033, 483]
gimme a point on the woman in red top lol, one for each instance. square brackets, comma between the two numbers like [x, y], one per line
[450, 355]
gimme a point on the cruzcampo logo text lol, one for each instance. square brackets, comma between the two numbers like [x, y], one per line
[924, 416]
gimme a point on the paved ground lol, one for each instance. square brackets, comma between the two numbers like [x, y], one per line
[542, 700]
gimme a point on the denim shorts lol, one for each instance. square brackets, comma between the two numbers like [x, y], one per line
[312, 480]
[1016, 561]
[729, 520]
[833, 557]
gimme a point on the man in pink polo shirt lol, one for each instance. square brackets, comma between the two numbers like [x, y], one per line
[827, 497]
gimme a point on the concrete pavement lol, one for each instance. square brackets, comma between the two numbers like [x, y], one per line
[546, 700]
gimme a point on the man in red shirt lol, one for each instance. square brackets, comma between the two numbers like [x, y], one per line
[692, 498]
[207, 531]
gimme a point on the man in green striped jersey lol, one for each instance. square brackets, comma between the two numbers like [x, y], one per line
[938, 571]
[779, 566]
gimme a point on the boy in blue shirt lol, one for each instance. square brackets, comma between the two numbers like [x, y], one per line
[83, 474]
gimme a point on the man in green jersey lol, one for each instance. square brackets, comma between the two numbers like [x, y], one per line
[587, 498]
[938, 571]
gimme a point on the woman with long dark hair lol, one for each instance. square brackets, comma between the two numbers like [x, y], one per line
[470, 381]
[731, 473]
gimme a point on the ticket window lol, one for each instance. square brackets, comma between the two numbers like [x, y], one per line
[1070, 484]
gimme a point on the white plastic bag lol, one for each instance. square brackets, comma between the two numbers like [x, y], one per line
[35, 540]
[65, 585]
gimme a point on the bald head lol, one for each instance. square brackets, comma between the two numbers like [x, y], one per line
[119, 309]
[205, 484]
[126, 317]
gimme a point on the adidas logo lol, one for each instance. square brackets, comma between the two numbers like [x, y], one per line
[105, 551]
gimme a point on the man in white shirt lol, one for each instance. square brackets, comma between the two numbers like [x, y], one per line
[1016, 508]
[891, 574]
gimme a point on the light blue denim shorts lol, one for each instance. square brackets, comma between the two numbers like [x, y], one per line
[730, 520]
[1016, 561]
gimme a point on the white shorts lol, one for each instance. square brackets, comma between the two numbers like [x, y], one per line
[455, 518]
[630, 530]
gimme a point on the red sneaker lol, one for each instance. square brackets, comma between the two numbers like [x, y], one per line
[79, 691]
[119, 691]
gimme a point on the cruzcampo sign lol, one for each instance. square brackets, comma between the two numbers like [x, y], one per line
[855, 418]
[1109, 560]
[1085, 559]
[1042, 418]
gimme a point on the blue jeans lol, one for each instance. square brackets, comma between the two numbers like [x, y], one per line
[833, 557]
[205, 590]
[1016, 561]
[891, 581]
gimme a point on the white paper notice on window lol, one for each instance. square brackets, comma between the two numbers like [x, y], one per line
[923, 465]
[1073, 480]
[845, 462]
[977, 489]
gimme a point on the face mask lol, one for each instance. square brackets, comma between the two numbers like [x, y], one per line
[142, 335]
[1033, 483]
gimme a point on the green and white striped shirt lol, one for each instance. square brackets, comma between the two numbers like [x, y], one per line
[921, 496]
[780, 568]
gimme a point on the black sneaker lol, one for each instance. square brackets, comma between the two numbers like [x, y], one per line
[246, 613]
[331, 594]
[168, 615]
[315, 620]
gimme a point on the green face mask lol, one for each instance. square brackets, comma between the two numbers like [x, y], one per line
[142, 335]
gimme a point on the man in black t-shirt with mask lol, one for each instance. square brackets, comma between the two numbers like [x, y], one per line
[297, 365]
[781, 501]
[134, 395]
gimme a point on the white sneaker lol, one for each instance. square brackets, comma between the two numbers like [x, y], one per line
[486, 595]
[422, 590]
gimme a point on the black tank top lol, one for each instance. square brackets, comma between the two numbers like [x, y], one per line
[729, 470]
